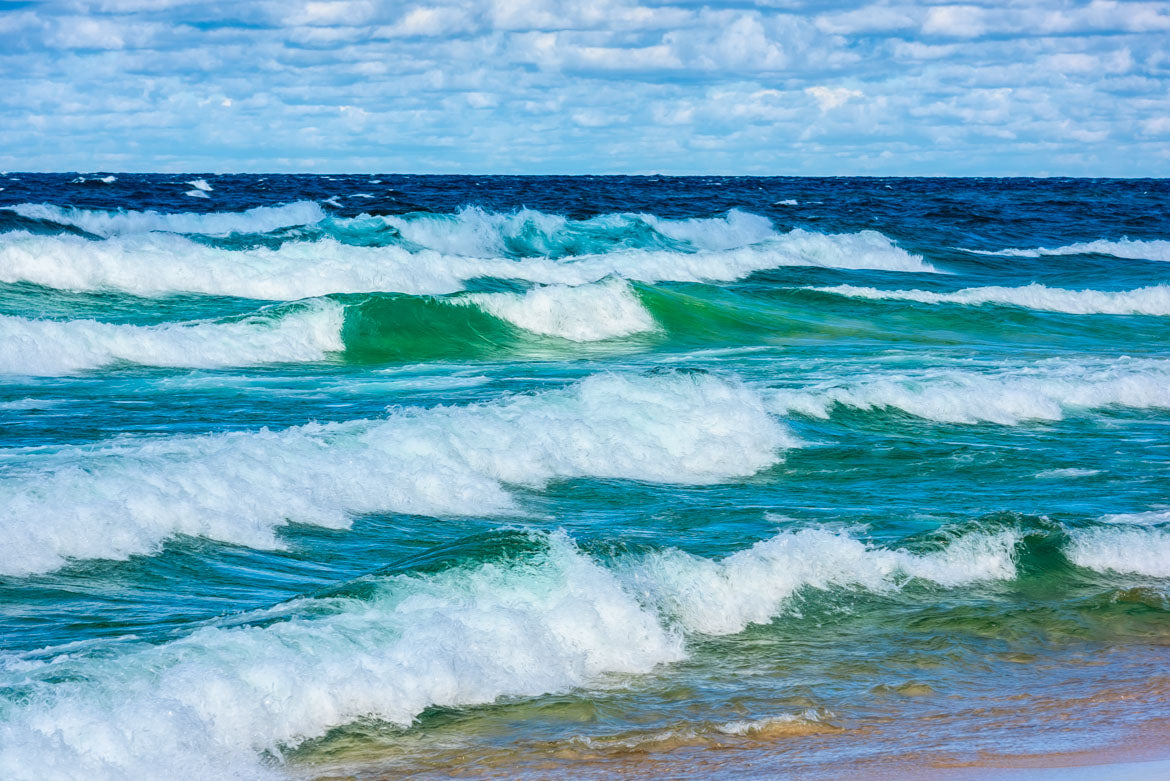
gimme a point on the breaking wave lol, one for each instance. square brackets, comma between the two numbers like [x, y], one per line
[1008, 396]
[127, 497]
[544, 619]
[161, 264]
[1135, 249]
[309, 332]
[1152, 300]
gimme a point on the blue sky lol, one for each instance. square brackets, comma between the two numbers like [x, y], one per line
[609, 86]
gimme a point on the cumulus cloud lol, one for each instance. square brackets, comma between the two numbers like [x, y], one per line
[743, 86]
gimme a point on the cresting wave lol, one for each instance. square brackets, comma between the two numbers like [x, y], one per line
[127, 497]
[1008, 396]
[161, 264]
[308, 332]
[97, 222]
[1130, 550]
[377, 329]
[1135, 249]
[1152, 300]
[208, 704]
[588, 313]
[528, 233]
[471, 231]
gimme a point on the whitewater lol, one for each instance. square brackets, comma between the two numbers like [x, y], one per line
[556, 477]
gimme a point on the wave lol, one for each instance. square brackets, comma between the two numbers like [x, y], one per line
[309, 332]
[98, 222]
[127, 497]
[475, 232]
[725, 596]
[159, 264]
[1134, 249]
[1007, 396]
[471, 231]
[1130, 550]
[589, 313]
[545, 619]
[377, 329]
[1152, 300]
[474, 326]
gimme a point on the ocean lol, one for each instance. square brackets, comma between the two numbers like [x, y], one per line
[572, 477]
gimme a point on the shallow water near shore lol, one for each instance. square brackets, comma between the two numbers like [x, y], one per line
[580, 476]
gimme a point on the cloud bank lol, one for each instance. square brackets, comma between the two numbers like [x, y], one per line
[536, 86]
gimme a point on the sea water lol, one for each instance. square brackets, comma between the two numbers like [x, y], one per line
[366, 476]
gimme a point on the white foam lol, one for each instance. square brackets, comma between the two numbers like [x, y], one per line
[1136, 249]
[588, 313]
[1152, 300]
[206, 705]
[475, 232]
[116, 223]
[770, 724]
[201, 184]
[1058, 474]
[196, 194]
[29, 404]
[126, 497]
[787, 202]
[736, 229]
[159, 264]
[1045, 391]
[103, 179]
[1147, 518]
[1134, 550]
[749, 587]
[54, 347]
[202, 707]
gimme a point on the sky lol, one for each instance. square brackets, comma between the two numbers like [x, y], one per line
[773, 87]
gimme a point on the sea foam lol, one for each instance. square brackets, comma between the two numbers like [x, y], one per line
[120, 222]
[127, 496]
[1133, 550]
[748, 587]
[1136, 249]
[588, 313]
[159, 264]
[310, 332]
[1152, 300]
[207, 704]
[476, 232]
[1046, 391]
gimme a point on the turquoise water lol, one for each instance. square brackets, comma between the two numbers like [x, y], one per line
[576, 476]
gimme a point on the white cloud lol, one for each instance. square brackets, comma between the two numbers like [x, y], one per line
[960, 21]
[829, 98]
[971, 86]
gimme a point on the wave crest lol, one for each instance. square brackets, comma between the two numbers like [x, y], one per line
[158, 264]
[310, 332]
[1152, 300]
[126, 498]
